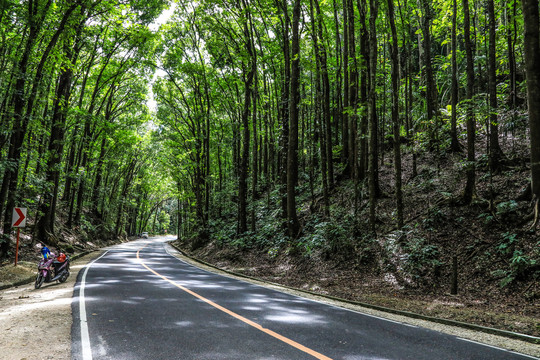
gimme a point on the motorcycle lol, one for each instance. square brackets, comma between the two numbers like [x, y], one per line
[52, 268]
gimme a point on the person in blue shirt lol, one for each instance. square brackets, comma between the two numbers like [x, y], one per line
[45, 252]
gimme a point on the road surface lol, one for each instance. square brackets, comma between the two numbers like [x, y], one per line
[139, 302]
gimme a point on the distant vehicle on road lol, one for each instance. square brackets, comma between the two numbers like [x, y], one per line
[144, 235]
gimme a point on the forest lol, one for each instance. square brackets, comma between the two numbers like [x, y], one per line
[397, 140]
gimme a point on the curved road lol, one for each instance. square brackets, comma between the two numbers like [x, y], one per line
[138, 302]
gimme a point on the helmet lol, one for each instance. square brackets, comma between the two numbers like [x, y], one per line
[45, 252]
[61, 257]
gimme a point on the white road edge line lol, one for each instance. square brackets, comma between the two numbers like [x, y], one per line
[169, 247]
[85, 337]
[276, 288]
[518, 353]
[498, 348]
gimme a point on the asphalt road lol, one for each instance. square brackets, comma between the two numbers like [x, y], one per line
[139, 302]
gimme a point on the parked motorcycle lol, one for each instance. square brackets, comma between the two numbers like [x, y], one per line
[52, 268]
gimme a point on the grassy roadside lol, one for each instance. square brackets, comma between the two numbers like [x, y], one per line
[11, 275]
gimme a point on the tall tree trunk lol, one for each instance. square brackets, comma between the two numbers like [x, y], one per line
[510, 38]
[322, 103]
[346, 88]
[412, 127]
[292, 158]
[364, 85]
[395, 114]
[471, 123]
[532, 68]
[353, 105]
[179, 214]
[70, 172]
[327, 123]
[244, 166]
[284, 110]
[99, 174]
[56, 146]
[454, 142]
[338, 105]
[254, 155]
[372, 113]
[431, 90]
[353, 95]
[83, 158]
[495, 152]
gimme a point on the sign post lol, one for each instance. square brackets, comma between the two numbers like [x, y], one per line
[18, 220]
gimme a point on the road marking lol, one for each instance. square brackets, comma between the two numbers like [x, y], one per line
[286, 340]
[496, 347]
[273, 286]
[85, 337]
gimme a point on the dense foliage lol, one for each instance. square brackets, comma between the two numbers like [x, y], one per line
[76, 134]
[266, 112]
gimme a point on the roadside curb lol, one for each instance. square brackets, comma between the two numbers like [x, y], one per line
[18, 283]
[484, 329]
[30, 279]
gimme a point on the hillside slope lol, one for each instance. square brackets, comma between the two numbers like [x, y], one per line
[498, 257]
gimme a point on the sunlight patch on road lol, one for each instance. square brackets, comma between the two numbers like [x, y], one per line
[259, 327]
[252, 308]
[294, 319]
[183, 323]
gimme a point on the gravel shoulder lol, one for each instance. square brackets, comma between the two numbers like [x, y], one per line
[36, 324]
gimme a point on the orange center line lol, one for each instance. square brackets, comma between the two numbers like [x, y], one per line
[237, 316]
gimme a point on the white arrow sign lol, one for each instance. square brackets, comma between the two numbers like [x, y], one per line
[19, 217]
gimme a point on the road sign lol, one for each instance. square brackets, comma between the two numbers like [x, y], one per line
[19, 217]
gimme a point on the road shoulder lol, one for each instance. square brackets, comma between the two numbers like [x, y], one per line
[36, 324]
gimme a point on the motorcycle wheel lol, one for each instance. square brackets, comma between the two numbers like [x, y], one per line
[64, 277]
[39, 281]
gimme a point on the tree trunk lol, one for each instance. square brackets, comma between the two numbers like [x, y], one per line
[471, 123]
[292, 158]
[353, 105]
[99, 174]
[244, 166]
[284, 111]
[364, 88]
[372, 114]
[454, 142]
[323, 101]
[353, 96]
[56, 146]
[431, 90]
[395, 114]
[254, 155]
[346, 88]
[83, 158]
[338, 108]
[532, 67]
[495, 152]
[511, 32]
[327, 123]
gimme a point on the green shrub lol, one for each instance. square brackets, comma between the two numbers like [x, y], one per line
[422, 259]
[521, 264]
